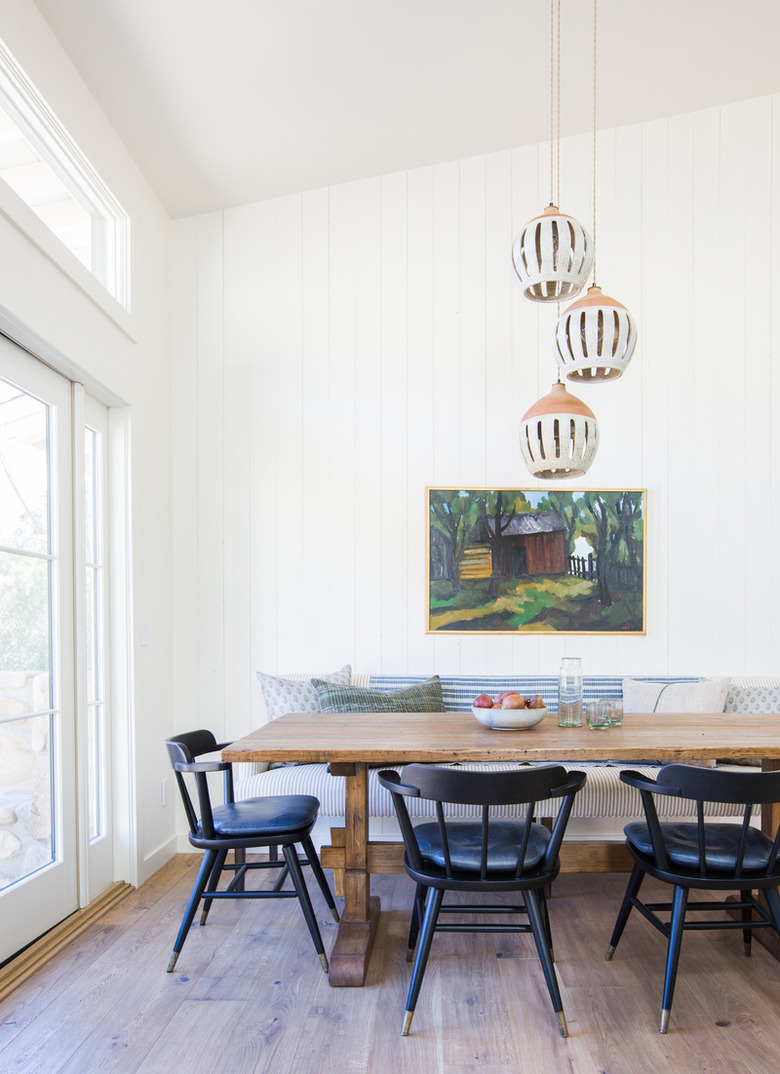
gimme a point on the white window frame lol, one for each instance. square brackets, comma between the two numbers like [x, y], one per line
[110, 223]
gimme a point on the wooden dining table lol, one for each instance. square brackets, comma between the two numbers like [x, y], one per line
[350, 742]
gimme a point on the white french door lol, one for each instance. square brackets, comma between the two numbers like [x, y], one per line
[54, 808]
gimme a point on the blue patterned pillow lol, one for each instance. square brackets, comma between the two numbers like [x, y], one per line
[296, 695]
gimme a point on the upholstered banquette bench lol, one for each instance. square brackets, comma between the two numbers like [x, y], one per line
[595, 833]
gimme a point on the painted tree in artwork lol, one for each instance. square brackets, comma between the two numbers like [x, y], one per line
[628, 510]
[616, 536]
[497, 509]
[453, 514]
[569, 509]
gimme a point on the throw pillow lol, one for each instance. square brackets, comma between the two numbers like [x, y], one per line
[422, 697]
[297, 695]
[707, 695]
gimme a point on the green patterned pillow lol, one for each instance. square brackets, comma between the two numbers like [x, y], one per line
[423, 697]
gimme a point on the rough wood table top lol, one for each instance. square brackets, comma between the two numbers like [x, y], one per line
[458, 736]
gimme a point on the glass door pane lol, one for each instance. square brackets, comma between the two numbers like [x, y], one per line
[92, 689]
[37, 728]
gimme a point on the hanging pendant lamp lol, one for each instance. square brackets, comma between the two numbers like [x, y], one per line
[552, 256]
[559, 436]
[595, 338]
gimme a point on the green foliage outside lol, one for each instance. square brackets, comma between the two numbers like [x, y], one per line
[24, 613]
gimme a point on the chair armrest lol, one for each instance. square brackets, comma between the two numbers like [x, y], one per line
[391, 781]
[573, 783]
[203, 766]
[644, 783]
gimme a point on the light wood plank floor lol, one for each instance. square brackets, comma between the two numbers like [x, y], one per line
[248, 996]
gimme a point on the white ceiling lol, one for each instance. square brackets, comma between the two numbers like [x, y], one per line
[226, 102]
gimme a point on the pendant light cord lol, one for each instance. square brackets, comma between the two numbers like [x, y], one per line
[552, 101]
[595, 37]
[558, 117]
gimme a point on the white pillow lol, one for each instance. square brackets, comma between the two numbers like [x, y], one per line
[707, 695]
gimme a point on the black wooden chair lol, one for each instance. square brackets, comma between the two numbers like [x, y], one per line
[708, 855]
[489, 855]
[273, 821]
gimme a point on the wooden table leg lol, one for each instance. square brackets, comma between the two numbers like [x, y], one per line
[349, 957]
[769, 823]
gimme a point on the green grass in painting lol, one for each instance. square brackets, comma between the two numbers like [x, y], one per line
[561, 603]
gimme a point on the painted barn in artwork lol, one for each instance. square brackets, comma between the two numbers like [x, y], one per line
[530, 543]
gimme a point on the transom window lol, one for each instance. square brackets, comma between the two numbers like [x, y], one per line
[44, 167]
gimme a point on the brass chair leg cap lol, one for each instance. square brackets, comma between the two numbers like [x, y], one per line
[324, 961]
[172, 962]
[408, 1016]
[610, 953]
[665, 1021]
[562, 1024]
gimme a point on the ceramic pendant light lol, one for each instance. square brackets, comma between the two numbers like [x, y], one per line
[594, 339]
[559, 436]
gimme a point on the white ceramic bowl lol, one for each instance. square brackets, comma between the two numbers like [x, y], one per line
[509, 719]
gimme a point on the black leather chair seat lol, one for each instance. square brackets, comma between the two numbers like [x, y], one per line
[710, 856]
[265, 817]
[465, 844]
[219, 829]
[489, 856]
[722, 846]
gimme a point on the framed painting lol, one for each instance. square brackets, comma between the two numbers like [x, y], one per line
[536, 561]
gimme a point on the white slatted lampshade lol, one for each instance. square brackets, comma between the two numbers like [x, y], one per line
[594, 338]
[552, 256]
[559, 436]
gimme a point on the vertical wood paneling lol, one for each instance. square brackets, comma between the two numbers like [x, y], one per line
[755, 119]
[773, 511]
[368, 428]
[241, 689]
[374, 343]
[682, 576]
[394, 392]
[657, 342]
[261, 235]
[736, 188]
[210, 466]
[315, 245]
[703, 441]
[292, 574]
[446, 356]
[473, 418]
[185, 473]
[420, 407]
[341, 519]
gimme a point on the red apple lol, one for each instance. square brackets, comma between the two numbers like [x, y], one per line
[536, 702]
[483, 701]
[513, 701]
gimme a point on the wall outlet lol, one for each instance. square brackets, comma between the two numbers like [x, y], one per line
[164, 792]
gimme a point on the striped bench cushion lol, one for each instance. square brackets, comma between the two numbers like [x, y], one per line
[602, 796]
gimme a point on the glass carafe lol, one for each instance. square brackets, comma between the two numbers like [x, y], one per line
[570, 692]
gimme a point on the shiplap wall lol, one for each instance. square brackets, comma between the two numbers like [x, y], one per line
[338, 351]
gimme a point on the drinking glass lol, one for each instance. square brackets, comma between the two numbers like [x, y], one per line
[570, 692]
